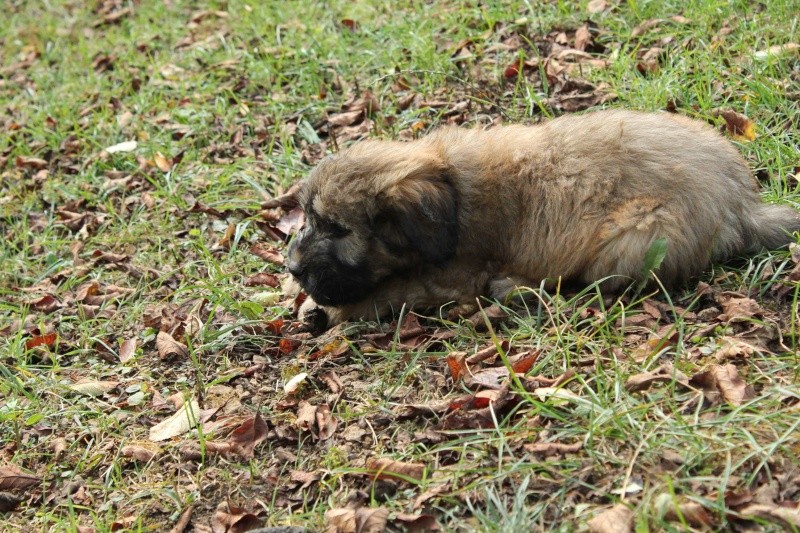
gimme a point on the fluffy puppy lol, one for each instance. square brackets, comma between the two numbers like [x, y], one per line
[465, 212]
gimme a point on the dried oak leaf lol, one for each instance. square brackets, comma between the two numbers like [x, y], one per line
[262, 279]
[127, 349]
[738, 126]
[13, 478]
[618, 519]
[582, 38]
[326, 424]
[738, 309]
[268, 253]
[247, 436]
[724, 380]
[385, 468]
[691, 513]
[48, 339]
[141, 451]
[169, 348]
[231, 519]
[361, 520]
[416, 522]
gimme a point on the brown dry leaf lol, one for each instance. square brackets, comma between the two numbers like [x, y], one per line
[231, 519]
[163, 163]
[738, 126]
[127, 350]
[141, 451]
[385, 468]
[268, 253]
[596, 6]
[247, 436]
[414, 523]
[183, 520]
[333, 381]
[724, 380]
[291, 222]
[169, 348]
[326, 424]
[692, 513]
[582, 38]
[345, 119]
[13, 478]
[663, 374]
[787, 516]
[552, 448]
[262, 279]
[361, 520]
[46, 304]
[306, 416]
[738, 309]
[618, 519]
[35, 163]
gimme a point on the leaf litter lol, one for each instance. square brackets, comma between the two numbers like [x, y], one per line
[449, 381]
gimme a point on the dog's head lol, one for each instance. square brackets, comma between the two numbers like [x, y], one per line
[374, 210]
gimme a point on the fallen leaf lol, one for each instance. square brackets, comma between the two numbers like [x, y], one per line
[738, 126]
[36, 163]
[231, 519]
[350, 24]
[326, 424]
[42, 340]
[247, 436]
[291, 386]
[456, 362]
[663, 374]
[181, 422]
[361, 520]
[127, 350]
[46, 304]
[141, 451]
[596, 6]
[618, 519]
[724, 380]
[306, 416]
[582, 38]
[262, 279]
[13, 478]
[787, 516]
[738, 309]
[416, 523]
[183, 520]
[127, 146]
[689, 512]
[777, 50]
[291, 222]
[169, 348]
[161, 161]
[552, 448]
[385, 468]
[268, 253]
[94, 388]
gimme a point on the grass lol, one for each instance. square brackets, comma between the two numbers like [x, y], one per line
[235, 98]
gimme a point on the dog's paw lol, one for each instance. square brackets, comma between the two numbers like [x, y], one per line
[317, 318]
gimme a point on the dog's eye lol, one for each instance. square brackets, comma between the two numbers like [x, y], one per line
[335, 229]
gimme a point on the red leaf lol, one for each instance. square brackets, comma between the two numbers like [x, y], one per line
[46, 340]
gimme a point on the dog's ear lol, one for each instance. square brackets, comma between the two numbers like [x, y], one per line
[420, 212]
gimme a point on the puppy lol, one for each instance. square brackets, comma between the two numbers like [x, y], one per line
[463, 213]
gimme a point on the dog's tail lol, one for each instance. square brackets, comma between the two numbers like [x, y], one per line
[771, 227]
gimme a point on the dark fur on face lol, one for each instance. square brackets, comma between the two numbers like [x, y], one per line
[363, 229]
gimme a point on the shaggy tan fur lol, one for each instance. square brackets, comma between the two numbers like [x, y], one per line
[465, 212]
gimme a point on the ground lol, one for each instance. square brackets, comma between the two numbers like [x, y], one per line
[151, 374]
